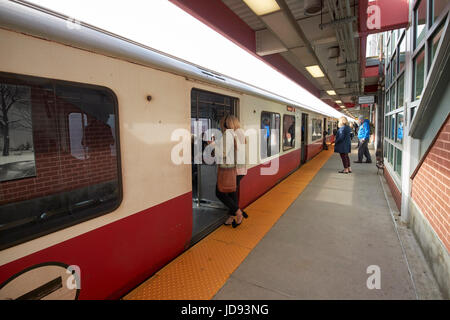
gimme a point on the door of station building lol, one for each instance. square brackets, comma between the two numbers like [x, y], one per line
[207, 109]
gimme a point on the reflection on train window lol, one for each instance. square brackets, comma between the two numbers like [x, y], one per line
[270, 137]
[316, 129]
[59, 159]
[288, 132]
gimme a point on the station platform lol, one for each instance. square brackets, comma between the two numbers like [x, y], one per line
[312, 236]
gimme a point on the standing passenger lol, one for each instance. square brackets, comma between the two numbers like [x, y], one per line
[363, 137]
[343, 144]
[230, 199]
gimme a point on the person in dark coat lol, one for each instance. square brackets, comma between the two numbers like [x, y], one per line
[343, 143]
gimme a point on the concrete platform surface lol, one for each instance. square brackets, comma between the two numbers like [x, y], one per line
[327, 244]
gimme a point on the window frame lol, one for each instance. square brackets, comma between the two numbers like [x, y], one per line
[14, 240]
[293, 116]
[312, 129]
[279, 135]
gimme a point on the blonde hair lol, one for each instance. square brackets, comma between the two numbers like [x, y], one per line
[230, 122]
[342, 122]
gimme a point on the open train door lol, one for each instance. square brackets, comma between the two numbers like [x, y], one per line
[304, 137]
[207, 109]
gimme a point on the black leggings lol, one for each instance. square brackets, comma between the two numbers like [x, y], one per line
[230, 199]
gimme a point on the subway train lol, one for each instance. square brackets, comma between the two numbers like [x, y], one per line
[91, 204]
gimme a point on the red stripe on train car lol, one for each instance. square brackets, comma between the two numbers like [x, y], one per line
[313, 149]
[119, 256]
[254, 184]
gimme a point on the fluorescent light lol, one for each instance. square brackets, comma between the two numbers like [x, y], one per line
[338, 101]
[331, 92]
[262, 7]
[315, 71]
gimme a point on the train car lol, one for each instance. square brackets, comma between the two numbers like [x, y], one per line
[91, 204]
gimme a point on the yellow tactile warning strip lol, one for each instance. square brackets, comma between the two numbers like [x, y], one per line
[200, 272]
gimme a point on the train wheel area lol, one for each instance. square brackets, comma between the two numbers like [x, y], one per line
[315, 235]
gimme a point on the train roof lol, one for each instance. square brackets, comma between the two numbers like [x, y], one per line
[34, 20]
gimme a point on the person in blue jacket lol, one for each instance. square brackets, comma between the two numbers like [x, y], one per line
[363, 137]
[343, 143]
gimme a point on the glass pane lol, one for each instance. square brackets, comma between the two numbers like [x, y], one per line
[388, 101]
[265, 138]
[391, 154]
[438, 8]
[392, 133]
[388, 76]
[270, 126]
[394, 67]
[398, 161]
[402, 53]
[386, 126]
[400, 121]
[420, 22]
[393, 106]
[400, 91]
[59, 163]
[288, 132]
[433, 45]
[316, 129]
[419, 75]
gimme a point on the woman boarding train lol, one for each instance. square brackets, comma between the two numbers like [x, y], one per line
[229, 176]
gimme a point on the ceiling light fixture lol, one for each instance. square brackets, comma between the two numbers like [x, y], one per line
[331, 92]
[315, 71]
[262, 7]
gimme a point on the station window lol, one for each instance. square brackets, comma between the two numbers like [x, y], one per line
[438, 7]
[402, 54]
[288, 132]
[393, 106]
[398, 161]
[434, 42]
[420, 19]
[391, 154]
[316, 129]
[392, 133]
[59, 156]
[394, 67]
[400, 91]
[419, 75]
[270, 139]
[399, 126]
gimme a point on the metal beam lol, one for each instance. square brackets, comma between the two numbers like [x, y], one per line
[348, 63]
[337, 22]
[287, 12]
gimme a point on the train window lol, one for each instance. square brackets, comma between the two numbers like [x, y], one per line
[59, 160]
[270, 137]
[288, 132]
[316, 129]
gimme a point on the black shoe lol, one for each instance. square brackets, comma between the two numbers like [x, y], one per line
[342, 171]
[357, 161]
[369, 161]
[235, 224]
[245, 215]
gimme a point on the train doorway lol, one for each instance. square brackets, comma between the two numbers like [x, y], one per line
[207, 108]
[304, 139]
